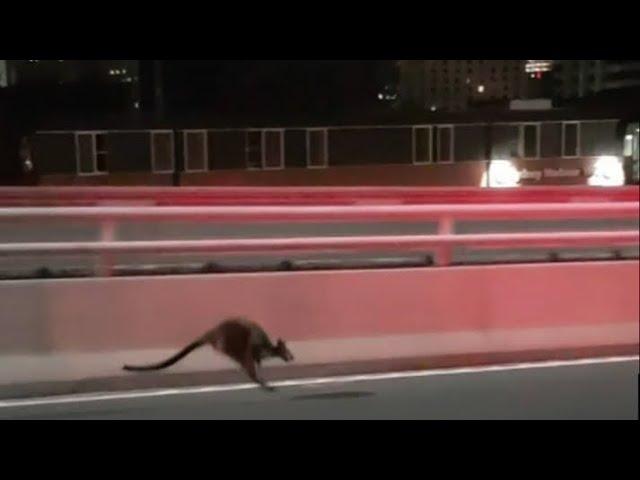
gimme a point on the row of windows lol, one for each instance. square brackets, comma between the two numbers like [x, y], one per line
[433, 144]
[92, 152]
[529, 140]
[515, 64]
[470, 85]
[436, 144]
[264, 149]
[506, 72]
[457, 90]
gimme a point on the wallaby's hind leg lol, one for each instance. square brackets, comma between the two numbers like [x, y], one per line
[250, 367]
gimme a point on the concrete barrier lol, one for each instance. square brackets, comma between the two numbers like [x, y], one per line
[75, 329]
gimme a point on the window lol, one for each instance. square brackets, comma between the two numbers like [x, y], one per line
[529, 140]
[571, 139]
[253, 149]
[422, 140]
[273, 149]
[635, 135]
[264, 149]
[101, 151]
[162, 157]
[444, 144]
[196, 154]
[317, 148]
[91, 153]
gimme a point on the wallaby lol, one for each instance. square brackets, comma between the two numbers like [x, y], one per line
[238, 338]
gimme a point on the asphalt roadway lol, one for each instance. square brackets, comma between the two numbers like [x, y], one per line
[591, 389]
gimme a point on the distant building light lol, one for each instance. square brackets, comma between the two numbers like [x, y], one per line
[468, 81]
[480, 88]
[500, 174]
[136, 105]
[535, 66]
[607, 172]
[380, 96]
[433, 108]
[629, 137]
[112, 72]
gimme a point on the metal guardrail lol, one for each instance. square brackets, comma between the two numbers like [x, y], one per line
[442, 243]
[332, 213]
[363, 243]
[166, 196]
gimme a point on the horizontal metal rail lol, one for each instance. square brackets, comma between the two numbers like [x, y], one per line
[357, 213]
[365, 243]
[95, 196]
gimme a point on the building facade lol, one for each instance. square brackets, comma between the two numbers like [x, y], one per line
[580, 78]
[39, 72]
[455, 85]
[429, 153]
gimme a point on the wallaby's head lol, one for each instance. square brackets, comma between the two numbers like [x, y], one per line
[283, 351]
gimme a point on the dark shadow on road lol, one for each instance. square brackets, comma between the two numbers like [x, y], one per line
[333, 396]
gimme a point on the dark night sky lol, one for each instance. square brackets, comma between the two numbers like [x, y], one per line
[270, 86]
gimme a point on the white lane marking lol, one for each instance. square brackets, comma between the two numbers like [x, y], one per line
[82, 398]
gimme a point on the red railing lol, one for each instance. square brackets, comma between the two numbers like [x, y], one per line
[167, 196]
[443, 242]
[358, 213]
[327, 244]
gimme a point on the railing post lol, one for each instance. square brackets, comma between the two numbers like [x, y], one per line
[107, 234]
[444, 254]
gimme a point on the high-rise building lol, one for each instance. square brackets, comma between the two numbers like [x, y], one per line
[454, 85]
[80, 79]
[581, 78]
[42, 72]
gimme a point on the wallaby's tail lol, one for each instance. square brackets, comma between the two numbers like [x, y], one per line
[170, 361]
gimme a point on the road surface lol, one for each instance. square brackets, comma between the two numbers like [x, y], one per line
[589, 389]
